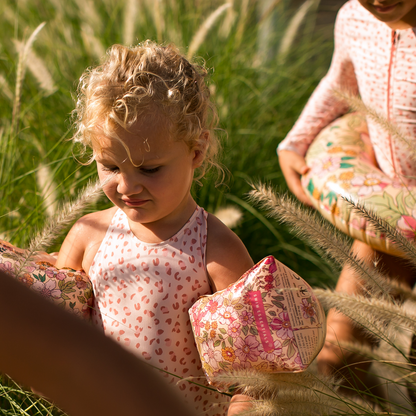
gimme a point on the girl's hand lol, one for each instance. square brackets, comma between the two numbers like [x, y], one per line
[239, 403]
[293, 166]
[43, 256]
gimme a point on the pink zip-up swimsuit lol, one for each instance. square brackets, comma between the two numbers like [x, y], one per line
[378, 63]
[142, 295]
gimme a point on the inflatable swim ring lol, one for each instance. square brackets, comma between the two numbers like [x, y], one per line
[70, 289]
[342, 162]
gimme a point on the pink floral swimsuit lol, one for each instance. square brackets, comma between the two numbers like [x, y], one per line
[142, 295]
[378, 63]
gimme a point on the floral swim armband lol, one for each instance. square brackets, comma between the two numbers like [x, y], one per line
[268, 321]
[70, 289]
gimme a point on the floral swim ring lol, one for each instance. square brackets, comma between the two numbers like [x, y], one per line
[342, 163]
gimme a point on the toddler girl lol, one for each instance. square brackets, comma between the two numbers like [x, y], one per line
[146, 115]
[375, 56]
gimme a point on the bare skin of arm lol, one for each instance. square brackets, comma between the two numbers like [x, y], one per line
[227, 261]
[293, 166]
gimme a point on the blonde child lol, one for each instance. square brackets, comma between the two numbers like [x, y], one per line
[146, 115]
[375, 57]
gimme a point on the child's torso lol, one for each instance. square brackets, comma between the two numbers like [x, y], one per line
[143, 293]
[385, 67]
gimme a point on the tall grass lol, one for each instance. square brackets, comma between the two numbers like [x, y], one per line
[258, 101]
[260, 84]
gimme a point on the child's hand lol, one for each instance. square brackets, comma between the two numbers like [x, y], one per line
[293, 165]
[43, 256]
[239, 403]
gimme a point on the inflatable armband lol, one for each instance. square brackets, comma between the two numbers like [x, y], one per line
[67, 288]
[269, 321]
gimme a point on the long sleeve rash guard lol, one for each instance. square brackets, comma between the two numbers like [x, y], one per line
[379, 64]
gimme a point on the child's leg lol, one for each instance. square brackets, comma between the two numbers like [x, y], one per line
[340, 328]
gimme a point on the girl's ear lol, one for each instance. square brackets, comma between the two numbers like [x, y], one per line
[200, 150]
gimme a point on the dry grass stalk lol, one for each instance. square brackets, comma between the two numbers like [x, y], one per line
[66, 216]
[130, 16]
[293, 28]
[331, 243]
[357, 105]
[89, 15]
[231, 216]
[91, 42]
[158, 19]
[38, 69]
[228, 21]
[268, 11]
[370, 312]
[241, 23]
[287, 393]
[47, 189]
[21, 69]
[5, 89]
[202, 32]
[401, 242]
[390, 358]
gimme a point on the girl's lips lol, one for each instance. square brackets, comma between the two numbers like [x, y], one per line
[385, 9]
[135, 202]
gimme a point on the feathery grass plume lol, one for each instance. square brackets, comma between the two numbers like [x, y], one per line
[38, 69]
[265, 32]
[5, 89]
[264, 384]
[47, 189]
[241, 23]
[357, 104]
[130, 15]
[228, 21]
[67, 215]
[158, 19]
[392, 362]
[278, 392]
[231, 216]
[268, 10]
[320, 234]
[293, 28]
[401, 242]
[202, 32]
[21, 69]
[89, 15]
[371, 313]
[91, 42]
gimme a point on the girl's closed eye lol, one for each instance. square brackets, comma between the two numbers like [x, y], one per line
[150, 170]
[109, 168]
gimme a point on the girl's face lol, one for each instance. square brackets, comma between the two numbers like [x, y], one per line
[154, 194]
[397, 14]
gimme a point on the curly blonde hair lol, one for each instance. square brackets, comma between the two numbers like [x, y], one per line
[144, 80]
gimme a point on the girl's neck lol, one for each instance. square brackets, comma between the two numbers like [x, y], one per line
[165, 228]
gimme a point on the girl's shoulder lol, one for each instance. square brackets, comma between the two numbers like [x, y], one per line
[84, 239]
[97, 219]
[227, 257]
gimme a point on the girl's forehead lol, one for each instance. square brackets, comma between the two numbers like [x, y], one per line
[149, 134]
[144, 142]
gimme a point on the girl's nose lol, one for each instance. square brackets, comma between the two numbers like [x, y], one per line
[129, 184]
